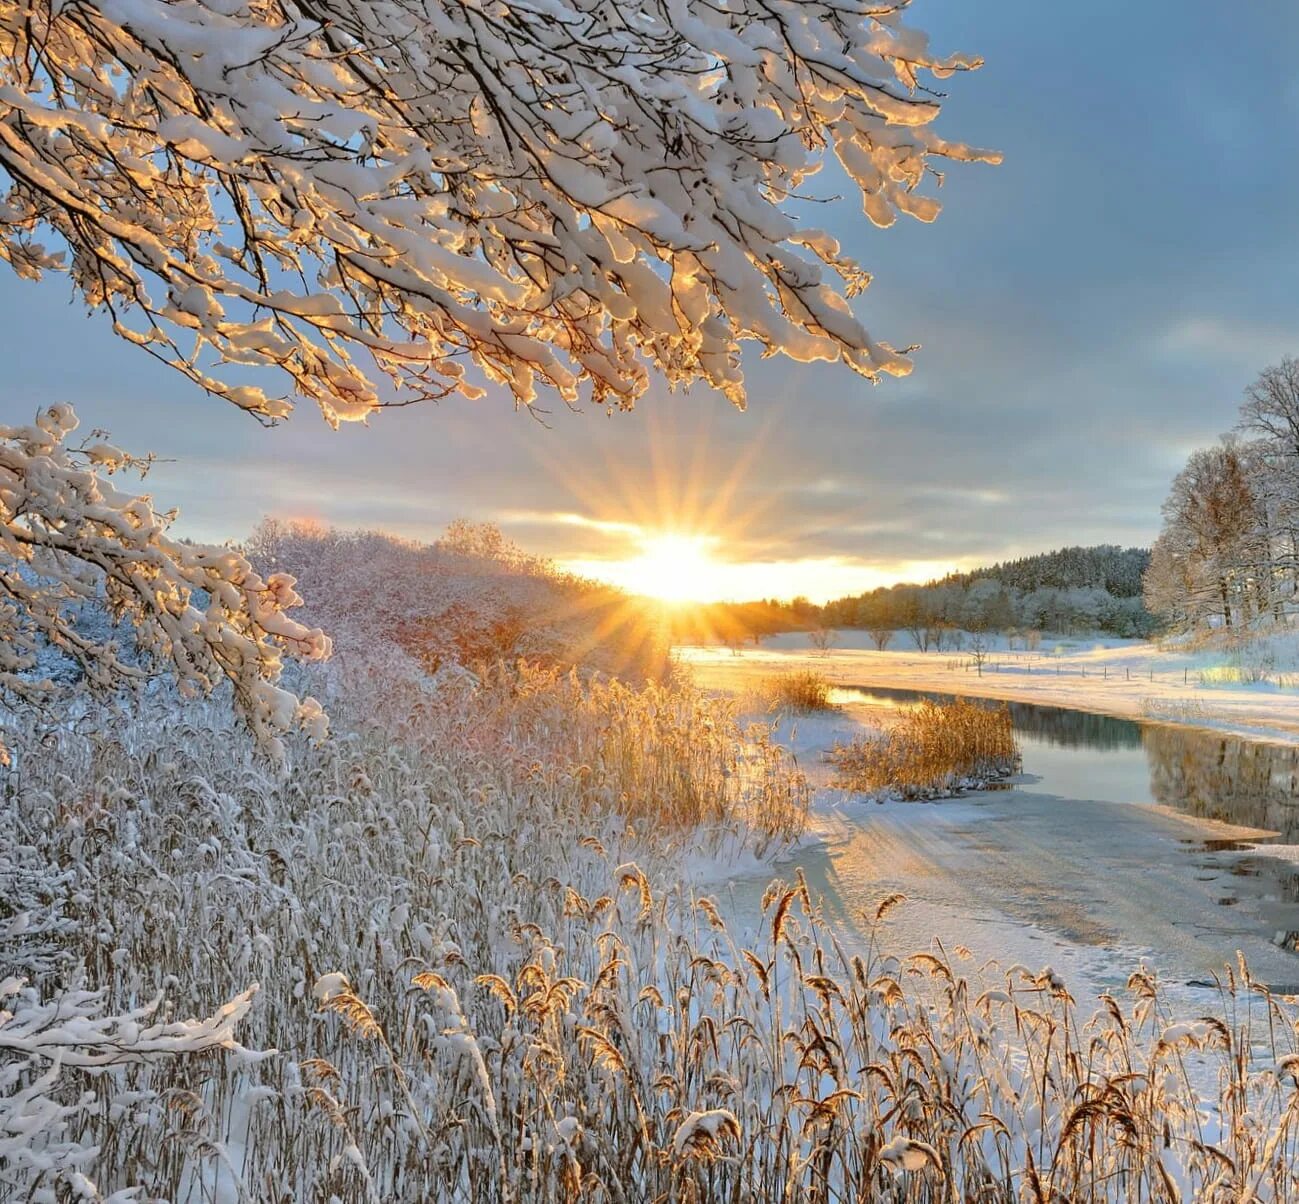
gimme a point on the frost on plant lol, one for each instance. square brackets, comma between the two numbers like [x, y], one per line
[560, 192]
[69, 537]
[40, 1111]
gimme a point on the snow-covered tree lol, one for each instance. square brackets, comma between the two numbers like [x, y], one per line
[44, 1043]
[1230, 544]
[69, 537]
[369, 202]
[1270, 413]
[1208, 540]
[1271, 406]
[468, 600]
[558, 192]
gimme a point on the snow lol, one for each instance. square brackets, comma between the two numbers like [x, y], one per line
[197, 612]
[327, 986]
[1132, 679]
[499, 925]
[704, 1128]
[1097, 883]
[657, 184]
[903, 1154]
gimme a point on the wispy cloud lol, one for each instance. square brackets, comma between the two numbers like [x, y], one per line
[1238, 341]
[1088, 313]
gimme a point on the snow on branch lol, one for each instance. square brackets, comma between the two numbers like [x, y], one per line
[39, 1142]
[68, 536]
[560, 193]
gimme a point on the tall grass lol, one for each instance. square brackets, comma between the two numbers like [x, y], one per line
[803, 691]
[483, 986]
[931, 749]
[665, 756]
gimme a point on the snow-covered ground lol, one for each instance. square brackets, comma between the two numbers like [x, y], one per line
[1083, 871]
[1133, 679]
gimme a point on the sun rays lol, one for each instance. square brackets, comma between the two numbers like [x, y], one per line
[671, 568]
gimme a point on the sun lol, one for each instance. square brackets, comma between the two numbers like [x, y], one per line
[672, 568]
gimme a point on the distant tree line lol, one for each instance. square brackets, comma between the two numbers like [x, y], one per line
[1072, 590]
[737, 623]
[1228, 553]
[1068, 591]
[1117, 571]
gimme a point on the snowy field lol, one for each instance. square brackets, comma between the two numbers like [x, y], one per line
[1133, 679]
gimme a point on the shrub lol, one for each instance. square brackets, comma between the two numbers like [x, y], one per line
[802, 690]
[931, 749]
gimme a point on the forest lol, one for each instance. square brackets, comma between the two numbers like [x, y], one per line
[1070, 591]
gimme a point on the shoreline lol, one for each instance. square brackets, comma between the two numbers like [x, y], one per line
[1106, 680]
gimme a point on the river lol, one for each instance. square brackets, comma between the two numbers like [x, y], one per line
[1107, 852]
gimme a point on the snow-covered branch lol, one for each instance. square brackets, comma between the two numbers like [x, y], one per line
[563, 193]
[68, 536]
[39, 1039]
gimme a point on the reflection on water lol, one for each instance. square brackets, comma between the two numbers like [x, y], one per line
[1220, 777]
[1055, 726]
[1203, 773]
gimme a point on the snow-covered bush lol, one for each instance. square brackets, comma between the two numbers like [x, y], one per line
[199, 613]
[469, 600]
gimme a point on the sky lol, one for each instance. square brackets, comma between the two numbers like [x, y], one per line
[1088, 313]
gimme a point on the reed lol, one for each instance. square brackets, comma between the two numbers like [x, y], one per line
[804, 691]
[485, 984]
[932, 748]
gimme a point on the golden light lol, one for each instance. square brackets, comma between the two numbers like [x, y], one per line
[677, 569]
[669, 525]
[671, 567]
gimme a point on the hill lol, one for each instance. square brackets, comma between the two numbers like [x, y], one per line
[1070, 590]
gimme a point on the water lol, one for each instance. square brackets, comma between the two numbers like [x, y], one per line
[1096, 859]
[1081, 755]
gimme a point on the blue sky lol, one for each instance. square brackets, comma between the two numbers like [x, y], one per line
[1088, 313]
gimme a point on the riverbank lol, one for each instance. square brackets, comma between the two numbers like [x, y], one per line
[1129, 679]
[1118, 844]
[1092, 888]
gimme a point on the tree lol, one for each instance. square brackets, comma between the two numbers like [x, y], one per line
[69, 538]
[1206, 547]
[915, 616]
[1169, 582]
[881, 637]
[1068, 589]
[344, 191]
[822, 638]
[1270, 411]
[1271, 405]
[380, 203]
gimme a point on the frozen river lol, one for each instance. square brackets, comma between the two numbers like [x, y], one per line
[1108, 851]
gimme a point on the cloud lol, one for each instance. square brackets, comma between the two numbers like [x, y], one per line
[1246, 345]
[1087, 313]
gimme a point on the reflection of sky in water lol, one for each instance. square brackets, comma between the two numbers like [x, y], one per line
[1080, 755]
[1121, 775]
